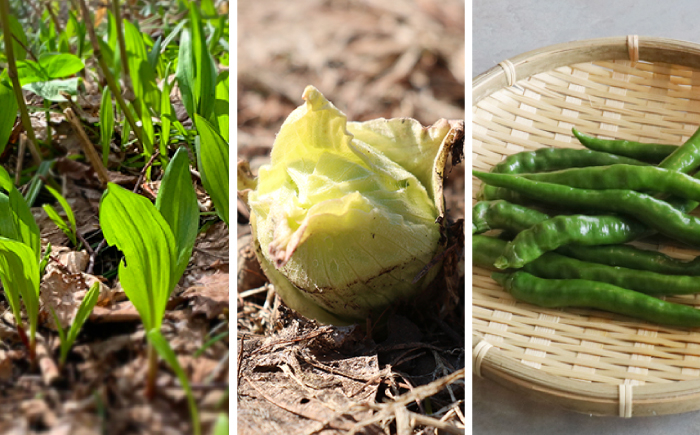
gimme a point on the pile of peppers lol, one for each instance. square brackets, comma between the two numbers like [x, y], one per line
[566, 219]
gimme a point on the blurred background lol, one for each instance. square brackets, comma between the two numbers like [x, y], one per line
[371, 58]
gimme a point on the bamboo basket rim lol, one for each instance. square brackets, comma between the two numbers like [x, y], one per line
[488, 362]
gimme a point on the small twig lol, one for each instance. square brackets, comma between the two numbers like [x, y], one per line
[93, 256]
[49, 370]
[88, 147]
[142, 175]
[388, 410]
[25, 48]
[240, 359]
[84, 242]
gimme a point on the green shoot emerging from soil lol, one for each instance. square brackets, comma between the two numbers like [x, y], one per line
[157, 242]
[67, 339]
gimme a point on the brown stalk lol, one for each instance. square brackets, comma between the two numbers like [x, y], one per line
[87, 146]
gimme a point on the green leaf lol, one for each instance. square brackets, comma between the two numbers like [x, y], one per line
[132, 224]
[18, 33]
[143, 79]
[58, 221]
[29, 71]
[185, 73]
[53, 90]
[8, 113]
[26, 229]
[37, 182]
[70, 231]
[6, 182]
[59, 65]
[112, 55]
[19, 273]
[221, 427]
[177, 202]
[84, 310]
[106, 123]
[221, 104]
[163, 348]
[166, 113]
[196, 71]
[205, 74]
[210, 343]
[154, 54]
[212, 160]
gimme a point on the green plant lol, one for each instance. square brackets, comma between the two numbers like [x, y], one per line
[45, 77]
[84, 310]
[106, 124]
[212, 161]
[20, 252]
[70, 228]
[156, 339]
[221, 427]
[196, 72]
[157, 242]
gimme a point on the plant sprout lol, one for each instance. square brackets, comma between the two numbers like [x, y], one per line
[20, 253]
[212, 160]
[70, 228]
[84, 310]
[347, 215]
[157, 242]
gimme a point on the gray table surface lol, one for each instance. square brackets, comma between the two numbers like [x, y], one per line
[502, 29]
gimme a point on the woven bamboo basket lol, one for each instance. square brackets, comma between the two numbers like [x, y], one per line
[635, 88]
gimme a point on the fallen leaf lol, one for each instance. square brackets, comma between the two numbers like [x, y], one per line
[210, 295]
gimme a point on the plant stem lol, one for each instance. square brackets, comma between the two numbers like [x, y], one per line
[108, 75]
[150, 390]
[88, 147]
[116, 10]
[54, 18]
[12, 71]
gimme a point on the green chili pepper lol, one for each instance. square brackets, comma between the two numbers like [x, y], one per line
[646, 152]
[500, 214]
[559, 231]
[552, 159]
[638, 178]
[559, 293]
[549, 159]
[485, 251]
[630, 257]
[686, 158]
[653, 212]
